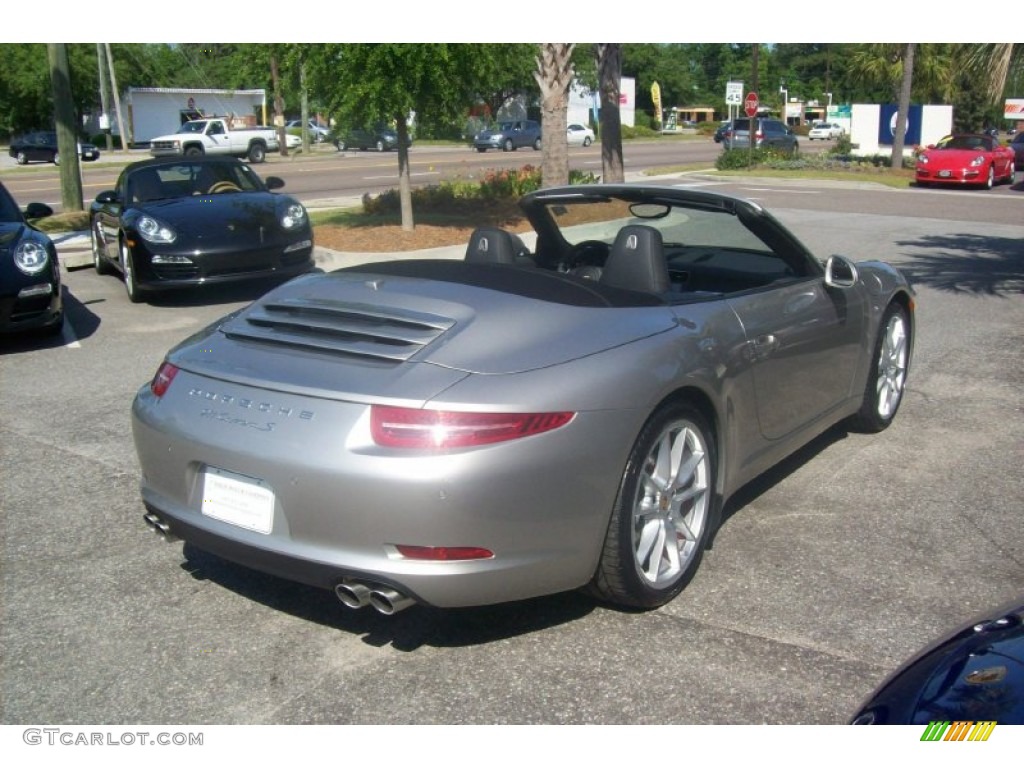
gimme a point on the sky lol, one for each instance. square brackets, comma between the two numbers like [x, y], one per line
[525, 21]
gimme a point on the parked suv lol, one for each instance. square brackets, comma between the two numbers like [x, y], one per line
[508, 136]
[767, 133]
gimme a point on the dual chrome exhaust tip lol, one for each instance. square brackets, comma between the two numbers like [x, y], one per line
[355, 594]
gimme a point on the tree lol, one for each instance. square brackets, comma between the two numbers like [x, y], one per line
[390, 82]
[64, 117]
[554, 76]
[609, 69]
[904, 106]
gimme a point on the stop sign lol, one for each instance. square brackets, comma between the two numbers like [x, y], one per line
[750, 104]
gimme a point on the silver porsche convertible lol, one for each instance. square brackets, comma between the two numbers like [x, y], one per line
[561, 409]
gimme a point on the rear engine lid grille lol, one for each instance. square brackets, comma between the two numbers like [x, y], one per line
[344, 328]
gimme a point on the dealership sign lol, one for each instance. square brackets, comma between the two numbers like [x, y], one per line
[1014, 109]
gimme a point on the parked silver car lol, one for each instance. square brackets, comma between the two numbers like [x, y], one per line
[509, 136]
[520, 422]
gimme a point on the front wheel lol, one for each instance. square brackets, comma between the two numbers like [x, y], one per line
[131, 286]
[99, 258]
[508, 145]
[536, 145]
[380, 146]
[990, 179]
[56, 158]
[663, 513]
[194, 152]
[887, 378]
[22, 158]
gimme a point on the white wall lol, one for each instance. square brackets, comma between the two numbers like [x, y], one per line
[152, 112]
[582, 100]
[936, 122]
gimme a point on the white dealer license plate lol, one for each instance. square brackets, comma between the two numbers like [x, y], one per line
[945, 174]
[237, 499]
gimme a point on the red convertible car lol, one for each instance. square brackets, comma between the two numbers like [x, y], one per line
[966, 159]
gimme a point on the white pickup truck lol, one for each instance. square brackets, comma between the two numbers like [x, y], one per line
[215, 136]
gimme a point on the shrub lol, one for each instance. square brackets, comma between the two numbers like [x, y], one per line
[496, 185]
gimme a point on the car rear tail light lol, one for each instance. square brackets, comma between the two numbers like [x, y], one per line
[414, 552]
[419, 428]
[162, 380]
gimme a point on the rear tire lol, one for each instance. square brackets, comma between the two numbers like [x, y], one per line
[257, 153]
[887, 378]
[664, 511]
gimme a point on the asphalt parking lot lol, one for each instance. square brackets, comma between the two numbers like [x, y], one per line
[829, 570]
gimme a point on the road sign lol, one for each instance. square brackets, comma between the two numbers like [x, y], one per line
[734, 93]
[750, 104]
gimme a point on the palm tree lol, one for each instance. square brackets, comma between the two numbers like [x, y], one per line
[609, 69]
[554, 76]
[904, 108]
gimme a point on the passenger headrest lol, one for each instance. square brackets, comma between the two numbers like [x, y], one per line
[637, 261]
[491, 245]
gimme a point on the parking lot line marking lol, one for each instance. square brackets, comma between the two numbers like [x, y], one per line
[67, 335]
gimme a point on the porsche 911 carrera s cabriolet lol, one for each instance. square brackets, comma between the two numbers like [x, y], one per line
[561, 409]
[174, 223]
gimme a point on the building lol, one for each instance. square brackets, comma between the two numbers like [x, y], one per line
[152, 112]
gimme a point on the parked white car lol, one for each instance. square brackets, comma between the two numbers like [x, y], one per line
[579, 135]
[825, 131]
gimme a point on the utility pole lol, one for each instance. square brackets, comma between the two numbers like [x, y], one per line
[104, 102]
[117, 99]
[64, 117]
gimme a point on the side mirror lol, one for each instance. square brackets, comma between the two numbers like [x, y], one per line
[107, 197]
[840, 272]
[38, 211]
[274, 182]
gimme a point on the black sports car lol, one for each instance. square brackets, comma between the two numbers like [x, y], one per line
[29, 271]
[176, 222]
[42, 146]
[973, 674]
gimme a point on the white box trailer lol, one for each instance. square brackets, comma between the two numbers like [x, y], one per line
[151, 112]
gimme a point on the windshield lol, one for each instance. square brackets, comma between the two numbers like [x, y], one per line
[9, 211]
[192, 127]
[190, 179]
[691, 227]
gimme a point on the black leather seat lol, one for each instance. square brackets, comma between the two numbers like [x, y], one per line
[490, 245]
[637, 261]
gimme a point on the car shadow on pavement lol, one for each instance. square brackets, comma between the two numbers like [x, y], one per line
[408, 630]
[79, 320]
[965, 263]
[776, 474]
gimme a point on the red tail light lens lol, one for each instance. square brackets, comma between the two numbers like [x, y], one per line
[162, 380]
[414, 552]
[418, 428]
